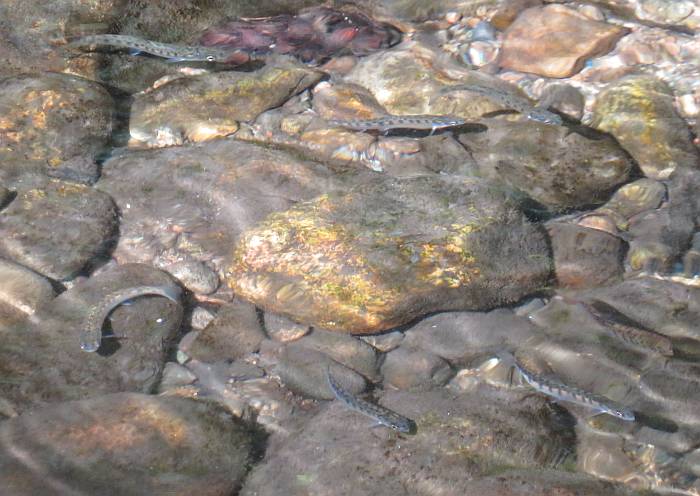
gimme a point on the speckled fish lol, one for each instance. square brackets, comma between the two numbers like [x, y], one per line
[562, 392]
[389, 122]
[641, 338]
[382, 415]
[91, 334]
[510, 100]
[172, 52]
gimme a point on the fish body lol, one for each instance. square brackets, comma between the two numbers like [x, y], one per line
[170, 51]
[389, 122]
[640, 338]
[509, 100]
[382, 415]
[571, 394]
[91, 334]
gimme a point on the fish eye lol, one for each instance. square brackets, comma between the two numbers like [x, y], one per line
[210, 58]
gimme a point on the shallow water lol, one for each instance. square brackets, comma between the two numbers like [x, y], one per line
[234, 237]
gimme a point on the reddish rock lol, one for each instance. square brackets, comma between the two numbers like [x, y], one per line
[555, 41]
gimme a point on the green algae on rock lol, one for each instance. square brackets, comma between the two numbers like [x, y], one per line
[390, 251]
[638, 111]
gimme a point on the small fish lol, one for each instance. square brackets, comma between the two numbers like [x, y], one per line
[382, 415]
[91, 335]
[172, 52]
[389, 122]
[571, 394]
[628, 331]
[510, 100]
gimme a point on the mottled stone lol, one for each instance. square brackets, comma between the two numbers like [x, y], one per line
[234, 332]
[210, 106]
[124, 444]
[215, 191]
[585, 257]
[683, 14]
[406, 368]
[555, 41]
[22, 291]
[303, 370]
[54, 123]
[345, 102]
[195, 275]
[456, 443]
[390, 251]
[639, 112]
[33, 34]
[663, 306]
[43, 353]
[406, 80]
[347, 350]
[460, 337]
[550, 164]
[282, 329]
[58, 229]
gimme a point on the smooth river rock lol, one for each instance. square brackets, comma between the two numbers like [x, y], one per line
[639, 112]
[555, 41]
[58, 229]
[124, 444]
[389, 251]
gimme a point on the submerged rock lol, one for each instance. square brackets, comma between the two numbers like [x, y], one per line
[555, 41]
[124, 444]
[234, 332]
[53, 123]
[456, 444]
[550, 164]
[390, 251]
[639, 112]
[43, 354]
[58, 229]
[215, 191]
[209, 106]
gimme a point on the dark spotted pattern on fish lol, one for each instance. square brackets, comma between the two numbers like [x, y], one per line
[571, 394]
[629, 333]
[166, 50]
[509, 100]
[382, 415]
[390, 122]
[91, 335]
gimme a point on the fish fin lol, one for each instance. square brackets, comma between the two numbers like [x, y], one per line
[175, 59]
[135, 51]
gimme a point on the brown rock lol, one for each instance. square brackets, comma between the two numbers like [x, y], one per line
[585, 257]
[555, 41]
[124, 444]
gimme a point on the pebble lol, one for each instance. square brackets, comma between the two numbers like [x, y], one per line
[234, 332]
[555, 41]
[406, 368]
[282, 329]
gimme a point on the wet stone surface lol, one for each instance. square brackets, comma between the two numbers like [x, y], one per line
[639, 112]
[54, 123]
[384, 254]
[561, 42]
[41, 359]
[217, 190]
[338, 453]
[124, 444]
[201, 108]
[58, 229]
[550, 164]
